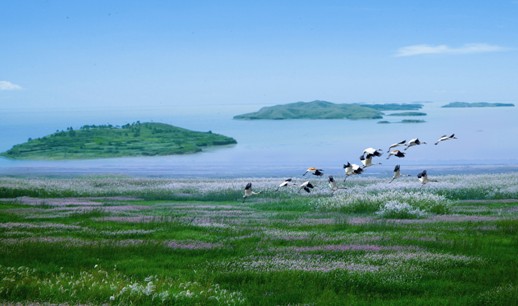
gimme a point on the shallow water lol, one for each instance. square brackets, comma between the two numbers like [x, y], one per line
[286, 148]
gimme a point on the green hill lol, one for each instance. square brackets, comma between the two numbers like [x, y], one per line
[137, 139]
[324, 110]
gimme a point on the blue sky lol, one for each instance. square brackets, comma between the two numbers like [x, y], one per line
[189, 57]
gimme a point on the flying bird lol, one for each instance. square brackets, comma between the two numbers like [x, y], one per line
[444, 138]
[396, 153]
[397, 173]
[249, 192]
[352, 169]
[423, 177]
[307, 186]
[285, 183]
[373, 152]
[367, 160]
[314, 171]
[397, 144]
[332, 184]
[414, 142]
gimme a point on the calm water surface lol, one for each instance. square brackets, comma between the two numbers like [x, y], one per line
[487, 143]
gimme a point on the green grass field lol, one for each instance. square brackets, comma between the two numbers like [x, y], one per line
[142, 241]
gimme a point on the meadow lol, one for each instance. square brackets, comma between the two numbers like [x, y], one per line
[121, 240]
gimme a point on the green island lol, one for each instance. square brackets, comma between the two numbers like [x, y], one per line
[476, 104]
[324, 110]
[395, 106]
[412, 121]
[104, 141]
[402, 121]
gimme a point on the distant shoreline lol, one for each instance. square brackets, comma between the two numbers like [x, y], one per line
[172, 167]
[476, 104]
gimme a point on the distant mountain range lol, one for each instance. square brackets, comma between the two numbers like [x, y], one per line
[325, 110]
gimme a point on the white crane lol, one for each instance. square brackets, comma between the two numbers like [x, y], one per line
[414, 142]
[423, 177]
[396, 153]
[445, 137]
[249, 192]
[397, 173]
[332, 184]
[307, 186]
[367, 160]
[352, 169]
[285, 183]
[397, 144]
[373, 152]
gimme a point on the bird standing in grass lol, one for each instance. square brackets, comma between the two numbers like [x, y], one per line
[396, 153]
[249, 192]
[444, 138]
[314, 171]
[307, 186]
[414, 142]
[351, 169]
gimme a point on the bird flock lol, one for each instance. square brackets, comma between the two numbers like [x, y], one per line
[350, 169]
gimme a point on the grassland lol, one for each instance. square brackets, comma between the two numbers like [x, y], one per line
[150, 241]
[137, 139]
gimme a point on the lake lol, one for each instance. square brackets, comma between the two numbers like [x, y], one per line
[284, 148]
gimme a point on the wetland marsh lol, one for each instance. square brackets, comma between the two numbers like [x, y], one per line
[131, 240]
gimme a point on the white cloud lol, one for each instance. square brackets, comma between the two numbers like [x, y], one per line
[6, 85]
[424, 49]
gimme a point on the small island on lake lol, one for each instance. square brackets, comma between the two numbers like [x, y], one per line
[476, 104]
[408, 114]
[104, 141]
[325, 110]
[402, 121]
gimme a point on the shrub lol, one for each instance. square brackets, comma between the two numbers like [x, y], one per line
[398, 210]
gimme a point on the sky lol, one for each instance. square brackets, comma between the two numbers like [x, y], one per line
[79, 57]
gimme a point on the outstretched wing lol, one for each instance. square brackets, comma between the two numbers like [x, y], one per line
[422, 174]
